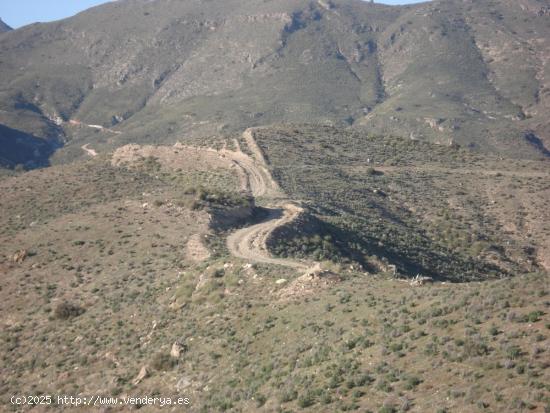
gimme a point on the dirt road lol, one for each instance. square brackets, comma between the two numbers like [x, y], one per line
[75, 122]
[247, 243]
[250, 243]
[89, 151]
[260, 183]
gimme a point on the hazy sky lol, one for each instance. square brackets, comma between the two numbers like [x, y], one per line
[18, 13]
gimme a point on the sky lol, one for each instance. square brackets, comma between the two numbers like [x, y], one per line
[17, 13]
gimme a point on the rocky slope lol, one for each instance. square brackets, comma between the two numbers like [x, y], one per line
[474, 73]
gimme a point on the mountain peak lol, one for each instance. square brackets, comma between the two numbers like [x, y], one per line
[4, 27]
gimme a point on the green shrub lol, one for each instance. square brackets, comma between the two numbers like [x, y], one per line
[260, 400]
[387, 409]
[162, 362]
[288, 396]
[532, 317]
[208, 197]
[66, 310]
[513, 352]
[306, 400]
[371, 171]
[412, 382]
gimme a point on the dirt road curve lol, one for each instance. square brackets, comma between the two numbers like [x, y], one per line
[250, 243]
[89, 151]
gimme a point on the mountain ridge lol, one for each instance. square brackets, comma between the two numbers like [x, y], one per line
[158, 70]
[4, 27]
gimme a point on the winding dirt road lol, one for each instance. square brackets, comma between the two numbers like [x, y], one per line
[250, 243]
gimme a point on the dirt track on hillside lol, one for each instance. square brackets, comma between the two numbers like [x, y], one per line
[250, 243]
[258, 180]
[89, 151]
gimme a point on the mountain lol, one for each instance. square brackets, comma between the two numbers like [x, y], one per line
[468, 72]
[4, 27]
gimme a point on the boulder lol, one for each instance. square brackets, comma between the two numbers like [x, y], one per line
[19, 256]
[143, 373]
[177, 349]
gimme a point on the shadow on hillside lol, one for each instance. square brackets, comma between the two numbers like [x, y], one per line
[537, 143]
[411, 253]
[21, 149]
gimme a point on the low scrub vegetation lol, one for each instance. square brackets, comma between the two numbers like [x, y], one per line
[427, 209]
[66, 310]
[212, 198]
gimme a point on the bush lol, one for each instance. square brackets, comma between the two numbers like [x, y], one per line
[412, 382]
[306, 400]
[162, 362]
[260, 400]
[387, 408]
[66, 310]
[475, 347]
[319, 247]
[513, 352]
[532, 317]
[288, 395]
[207, 197]
[384, 386]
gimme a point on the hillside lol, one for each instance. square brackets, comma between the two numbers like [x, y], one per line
[428, 209]
[470, 72]
[120, 276]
